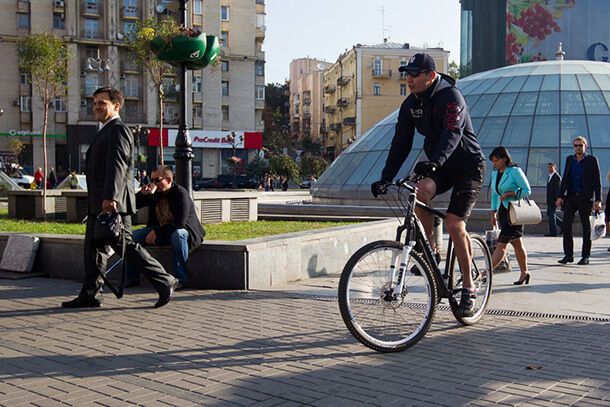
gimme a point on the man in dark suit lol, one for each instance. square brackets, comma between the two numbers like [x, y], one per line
[109, 169]
[172, 220]
[581, 184]
[552, 193]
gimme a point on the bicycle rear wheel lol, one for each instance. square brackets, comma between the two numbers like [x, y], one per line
[376, 317]
[481, 275]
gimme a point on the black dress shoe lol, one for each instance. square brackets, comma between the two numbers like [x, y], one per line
[566, 259]
[82, 302]
[583, 261]
[167, 296]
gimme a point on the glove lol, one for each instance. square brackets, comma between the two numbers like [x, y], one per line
[425, 168]
[378, 188]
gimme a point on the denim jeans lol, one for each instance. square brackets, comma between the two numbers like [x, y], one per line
[179, 241]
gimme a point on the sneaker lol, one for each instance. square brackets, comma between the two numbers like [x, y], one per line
[467, 302]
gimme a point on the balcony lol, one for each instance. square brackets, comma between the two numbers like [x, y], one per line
[344, 80]
[381, 73]
[129, 12]
[306, 101]
[130, 67]
[91, 34]
[342, 102]
[335, 127]
[307, 115]
[259, 34]
[328, 89]
[329, 109]
[349, 121]
[91, 9]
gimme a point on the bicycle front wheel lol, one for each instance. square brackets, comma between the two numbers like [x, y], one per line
[481, 275]
[373, 312]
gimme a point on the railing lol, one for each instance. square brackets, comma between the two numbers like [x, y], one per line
[382, 73]
[329, 109]
[344, 80]
[307, 101]
[307, 115]
[349, 121]
[329, 89]
[335, 127]
[342, 102]
[91, 34]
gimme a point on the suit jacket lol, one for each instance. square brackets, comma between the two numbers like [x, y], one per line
[552, 189]
[513, 180]
[592, 181]
[109, 168]
[183, 211]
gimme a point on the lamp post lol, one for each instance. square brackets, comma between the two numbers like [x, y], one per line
[183, 153]
[101, 63]
[232, 139]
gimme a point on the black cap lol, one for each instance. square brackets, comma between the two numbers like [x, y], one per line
[419, 62]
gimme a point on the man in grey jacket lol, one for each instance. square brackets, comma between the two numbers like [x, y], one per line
[109, 169]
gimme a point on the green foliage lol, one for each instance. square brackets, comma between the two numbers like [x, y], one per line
[257, 168]
[454, 70]
[276, 118]
[310, 146]
[285, 166]
[45, 58]
[312, 165]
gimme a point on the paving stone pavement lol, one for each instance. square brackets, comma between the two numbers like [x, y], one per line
[279, 349]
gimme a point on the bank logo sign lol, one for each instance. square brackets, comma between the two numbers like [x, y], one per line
[534, 29]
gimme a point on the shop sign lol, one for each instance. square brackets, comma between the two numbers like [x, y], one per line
[218, 139]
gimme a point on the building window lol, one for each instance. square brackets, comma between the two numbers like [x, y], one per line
[131, 86]
[131, 110]
[197, 82]
[260, 68]
[198, 112]
[130, 8]
[91, 6]
[198, 6]
[24, 78]
[225, 88]
[403, 62]
[25, 104]
[377, 66]
[59, 21]
[224, 13]
[403, 89]
[260, 92]
[129, 27]
[224, 66]
[23, 21]
[377, 89]
[91, 51]
[91, 28]
[59, 104]
[260, 21]
[225, 113]
[169, 114]
[224, 38]
[91, 84]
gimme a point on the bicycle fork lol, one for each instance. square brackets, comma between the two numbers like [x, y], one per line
[392, 293]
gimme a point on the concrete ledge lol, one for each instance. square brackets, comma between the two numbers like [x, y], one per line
[248, 264]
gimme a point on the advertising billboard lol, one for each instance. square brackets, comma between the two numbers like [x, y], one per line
[534, 29]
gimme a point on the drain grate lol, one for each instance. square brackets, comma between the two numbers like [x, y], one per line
[496, 312]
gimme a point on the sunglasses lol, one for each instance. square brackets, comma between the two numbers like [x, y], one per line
[158, 180]
[578, 145]
[414, 74]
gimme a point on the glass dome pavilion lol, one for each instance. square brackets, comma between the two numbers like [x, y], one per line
[533, 109]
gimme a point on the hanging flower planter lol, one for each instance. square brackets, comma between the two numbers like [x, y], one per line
[209, 57]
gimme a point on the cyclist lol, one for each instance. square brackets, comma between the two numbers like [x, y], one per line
[437, 110]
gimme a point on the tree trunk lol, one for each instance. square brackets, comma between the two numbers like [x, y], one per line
[44, 159]
[162, 161]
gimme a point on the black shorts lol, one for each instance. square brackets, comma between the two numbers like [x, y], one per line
[508, 232]
[466, 186]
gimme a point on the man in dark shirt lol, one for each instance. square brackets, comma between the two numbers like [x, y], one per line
[172, 220]
[437, 110]
[581, 183]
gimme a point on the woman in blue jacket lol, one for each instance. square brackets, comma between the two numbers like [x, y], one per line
[508, 183]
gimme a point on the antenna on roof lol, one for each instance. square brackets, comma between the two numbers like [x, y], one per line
[384, 30]
[560, 54]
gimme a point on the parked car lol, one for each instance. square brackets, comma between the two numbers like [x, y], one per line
[21, 178]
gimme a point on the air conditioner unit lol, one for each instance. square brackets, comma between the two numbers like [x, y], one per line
[83, 103]
[59, 3]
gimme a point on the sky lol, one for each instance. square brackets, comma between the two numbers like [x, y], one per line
[323, 29]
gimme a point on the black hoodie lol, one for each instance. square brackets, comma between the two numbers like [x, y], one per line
[440, 115]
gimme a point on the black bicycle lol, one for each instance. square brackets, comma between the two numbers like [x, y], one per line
[389, 289]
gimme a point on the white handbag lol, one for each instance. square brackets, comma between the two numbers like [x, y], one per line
[598, 225]
[524, 212]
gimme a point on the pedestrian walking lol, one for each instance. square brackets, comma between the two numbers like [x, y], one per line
[553, 184]
[508, 183]
[580, 192]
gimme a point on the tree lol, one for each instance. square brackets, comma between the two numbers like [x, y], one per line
[16, 147]
[44, 57]
[257, 168]
[138, 43]
[454, 70]
[276, 118]
[285, 166]
[312, 165]
[309, 146]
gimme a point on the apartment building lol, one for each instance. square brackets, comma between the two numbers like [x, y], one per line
[222, 99]
[364, 86]
[307, 99]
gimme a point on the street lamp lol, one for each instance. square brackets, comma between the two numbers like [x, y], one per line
[102, 64]
[233, 140]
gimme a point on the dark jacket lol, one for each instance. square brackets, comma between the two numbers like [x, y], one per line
[591, 178]
[440, 115]
[183, 211]
[552, 189]
[109, 169]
